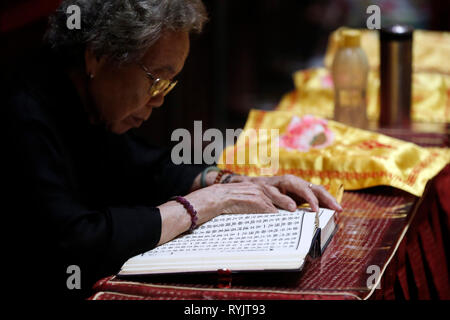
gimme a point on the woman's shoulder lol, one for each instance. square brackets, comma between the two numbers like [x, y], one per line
[21, 104]
[35, 90]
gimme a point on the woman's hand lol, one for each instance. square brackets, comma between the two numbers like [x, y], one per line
[285, 190]
[245, 197]
[212, 201]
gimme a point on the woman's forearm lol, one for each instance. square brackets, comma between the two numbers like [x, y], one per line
[174, 221]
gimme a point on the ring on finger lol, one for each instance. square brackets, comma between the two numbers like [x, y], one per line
[310, 185]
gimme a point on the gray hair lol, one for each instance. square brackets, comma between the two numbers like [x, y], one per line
[121, 29]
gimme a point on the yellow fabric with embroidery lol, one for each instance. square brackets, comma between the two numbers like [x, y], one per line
[330, 153]
[314, 94]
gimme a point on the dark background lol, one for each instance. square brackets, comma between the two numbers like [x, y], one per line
[244, 58]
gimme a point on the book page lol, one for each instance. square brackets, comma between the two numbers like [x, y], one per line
[244, 233]
[275, 241]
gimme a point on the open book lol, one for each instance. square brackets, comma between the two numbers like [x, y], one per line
[240, 242]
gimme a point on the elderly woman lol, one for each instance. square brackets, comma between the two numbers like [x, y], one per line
[85, 191]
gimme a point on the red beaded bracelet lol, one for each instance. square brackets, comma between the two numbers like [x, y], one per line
[189, 208]
[220, 174]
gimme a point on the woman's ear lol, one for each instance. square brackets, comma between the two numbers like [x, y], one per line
[92, 63]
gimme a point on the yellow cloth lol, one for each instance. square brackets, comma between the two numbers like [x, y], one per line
[329, 153]
[314, 95]
[431, 50]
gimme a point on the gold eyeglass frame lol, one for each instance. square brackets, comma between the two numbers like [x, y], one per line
[159, 85]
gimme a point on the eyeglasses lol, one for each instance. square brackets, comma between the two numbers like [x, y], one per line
[159, 86]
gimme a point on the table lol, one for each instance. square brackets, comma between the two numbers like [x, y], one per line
[389, 245]
[381, 229]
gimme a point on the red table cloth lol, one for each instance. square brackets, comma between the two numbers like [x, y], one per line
[381, 229]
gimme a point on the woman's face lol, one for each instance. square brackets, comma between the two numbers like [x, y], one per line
[120, 94]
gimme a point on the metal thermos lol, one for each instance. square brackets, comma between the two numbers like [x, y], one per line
[395, 75]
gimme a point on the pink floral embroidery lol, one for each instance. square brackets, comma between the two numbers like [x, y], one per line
[327, 81]
[305, 133]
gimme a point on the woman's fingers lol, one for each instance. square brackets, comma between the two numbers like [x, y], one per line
[259, 196]
[310, 197]
[262, 195]
[326, 198]
[282, 201]
[248, 198]
[299, 187]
